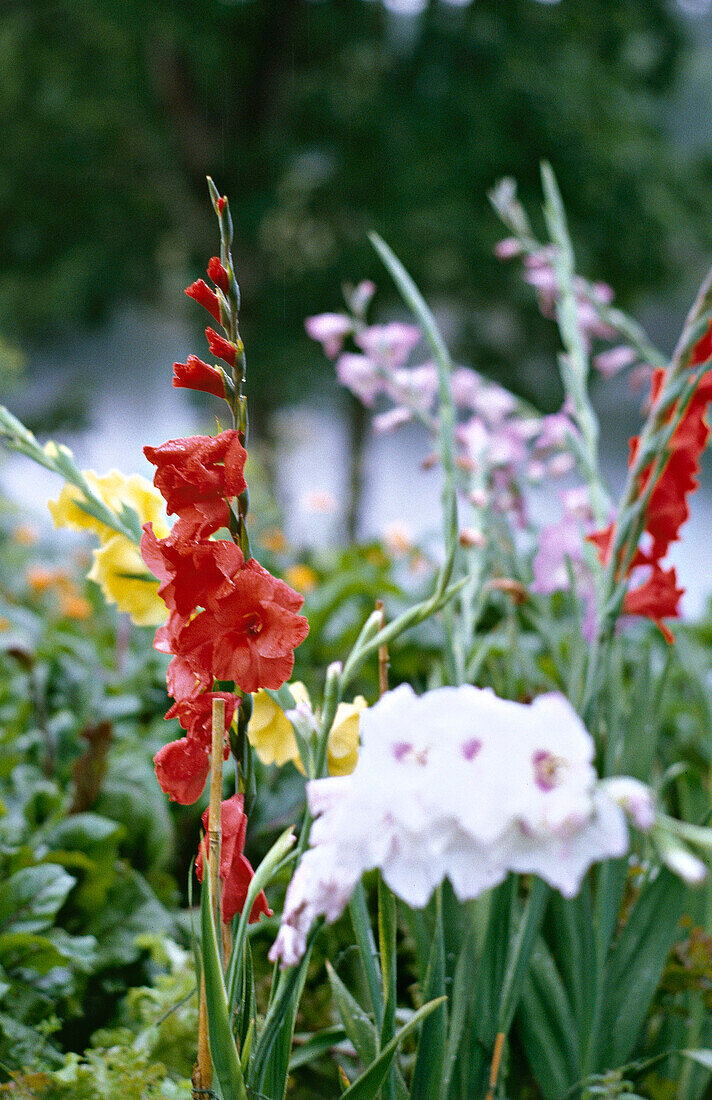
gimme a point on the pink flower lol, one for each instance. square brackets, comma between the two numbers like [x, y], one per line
[609, 363]
[507, 248]
[360, 375]
[388, 421]
[390, 345]
[330, 330]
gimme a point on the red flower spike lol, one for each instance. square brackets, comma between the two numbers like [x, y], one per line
[657, 598]
[192, 573]
[221, 347]
[235, 870]
[204, 296]
[667, 508]
[195, 715]
[219, 275]
[197, 375]
[199, 469]
[249, 636]
[702, 350]
[181, 770]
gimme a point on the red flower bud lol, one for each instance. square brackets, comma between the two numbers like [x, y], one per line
[181, 770]
[197, 375]
[201, 292]
[219, 274]
[235, 870]
[221, 204]
[221, 347]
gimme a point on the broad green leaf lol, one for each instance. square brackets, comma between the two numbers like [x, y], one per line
[547, 1027]
[572, 942]
[363, 934]
[387, 950]
[430, 1060]
[461, 996]
[634, 970]
[31, 898]
[223, 1050]
[368, 1084]
[317, 1044]
[358, 1026]
[519, 954]
[270, 1067]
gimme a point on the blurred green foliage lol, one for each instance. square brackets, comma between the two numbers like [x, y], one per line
[322, 121]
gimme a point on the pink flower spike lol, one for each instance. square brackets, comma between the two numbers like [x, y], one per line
[360, 375]
[388, 421]
[360, 297]
[494, 403]
[390, 345]
[330, 330]
[508, 248]
[609, 363]
[465, 386]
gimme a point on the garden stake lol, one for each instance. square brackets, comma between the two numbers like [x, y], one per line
[203, 1071]
[215, 816]
[494, 1068]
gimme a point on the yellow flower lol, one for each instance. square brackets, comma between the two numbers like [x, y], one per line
[272, 737]
[118, 566]
[118, 569]
[115, 489]
[342, 746]
[302, 577]
[270, 733]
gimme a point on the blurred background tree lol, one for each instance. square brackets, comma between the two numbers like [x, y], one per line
[322, 121]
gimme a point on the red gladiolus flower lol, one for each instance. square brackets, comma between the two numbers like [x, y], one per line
[221, 204]
[235, 870]
[248, 636]
[193, 573]
[181, 769]
[667, 508]
[202, 468]
[219, 274]
[657, 598]
[197, 375]
[221, 347]
[204, 296]
[702, 350]
[195, 715]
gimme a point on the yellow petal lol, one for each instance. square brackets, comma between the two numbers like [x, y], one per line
[270, 733]
[344, 737]
[115, 490]
[117, 569]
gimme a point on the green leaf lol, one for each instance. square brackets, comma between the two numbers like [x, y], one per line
[368, 1084]
[32, 897]
[519, 954]
[634, 969]
[548, 1028]
[429, 1064]
[359, 1028]
[317, 1044]
[387, 920]
[363, 934]
[223, 1050]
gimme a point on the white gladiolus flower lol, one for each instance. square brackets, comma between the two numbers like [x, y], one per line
[456, 784]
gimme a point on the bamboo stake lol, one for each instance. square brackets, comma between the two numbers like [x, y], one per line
[494, 1068]
[215, 813]
[203, 1071]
